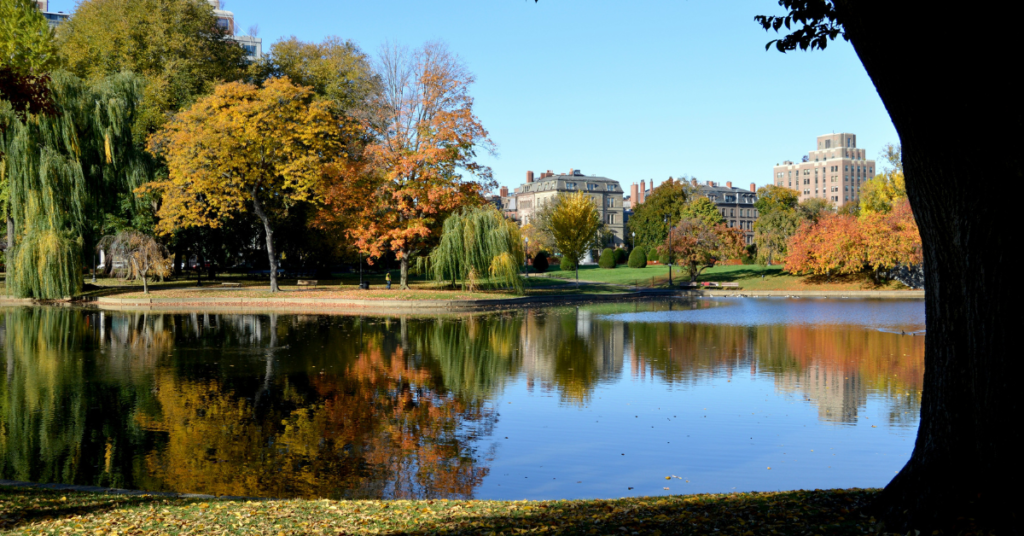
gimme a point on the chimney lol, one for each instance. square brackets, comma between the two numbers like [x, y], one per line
[633, 195]
[572, 172]
[504, 191]
[753, 187]
[529, 176]
[643, 192]
[710, 183]
[550, 174]
[728, 184]
[693, 182]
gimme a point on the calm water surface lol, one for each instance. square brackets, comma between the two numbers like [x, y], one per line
[601, 400]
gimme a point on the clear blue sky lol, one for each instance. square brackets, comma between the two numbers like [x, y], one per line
[628, 89]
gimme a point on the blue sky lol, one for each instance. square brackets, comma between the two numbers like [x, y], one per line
[626, 89]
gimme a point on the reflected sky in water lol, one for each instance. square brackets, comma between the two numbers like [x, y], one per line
[600, 400]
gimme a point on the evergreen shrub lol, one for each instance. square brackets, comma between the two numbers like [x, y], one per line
[638, 259]
[621, 256]
[607, 259]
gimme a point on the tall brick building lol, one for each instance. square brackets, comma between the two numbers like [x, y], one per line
[835, 170]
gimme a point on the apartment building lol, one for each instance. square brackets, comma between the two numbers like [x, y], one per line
[606, 193]
[836, 170]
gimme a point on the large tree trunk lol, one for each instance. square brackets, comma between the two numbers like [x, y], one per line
[958, 114]
[271, 252]
[404, 278]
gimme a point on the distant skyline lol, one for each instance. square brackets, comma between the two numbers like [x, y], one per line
[627, 90]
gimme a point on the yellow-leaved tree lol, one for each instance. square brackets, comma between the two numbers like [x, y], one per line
[574, 226]
[247, 148]
[885, 190]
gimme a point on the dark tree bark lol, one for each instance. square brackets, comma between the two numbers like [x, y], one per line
[271, 252]
[950, 89]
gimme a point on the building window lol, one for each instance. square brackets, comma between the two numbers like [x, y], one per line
[610, 202]
[570, 186]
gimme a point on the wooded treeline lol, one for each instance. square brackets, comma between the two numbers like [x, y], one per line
[145, 116]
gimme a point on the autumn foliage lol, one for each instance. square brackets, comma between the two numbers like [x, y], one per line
[420, 164]
[843, 244]
[243, 149]
[696, 244]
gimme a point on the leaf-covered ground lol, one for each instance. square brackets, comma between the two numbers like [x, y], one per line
[31, 511]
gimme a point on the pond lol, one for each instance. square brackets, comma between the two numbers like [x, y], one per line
[600, 400]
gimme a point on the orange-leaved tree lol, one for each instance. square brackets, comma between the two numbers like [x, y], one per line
[891, 239]
[832, 246]
[697, 244]
[421, 164]
[247, 148]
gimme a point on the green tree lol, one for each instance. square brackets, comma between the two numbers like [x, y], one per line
[175, 44]
[777, 221]
[607, 259]
[964, 448]
[26, 40]
[335, 69]
[814, 208]
[59, 166]
[479, 242]
[703, 209]
[661, 210]
[575, 223]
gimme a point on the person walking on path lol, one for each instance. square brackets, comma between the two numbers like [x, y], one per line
[387, 280]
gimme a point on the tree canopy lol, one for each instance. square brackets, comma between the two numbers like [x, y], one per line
[479, 242]
[421, 163]
[247, 148]
[335, 69]
[660, 210]
[697, 244]
[175, 44]
[575, 223]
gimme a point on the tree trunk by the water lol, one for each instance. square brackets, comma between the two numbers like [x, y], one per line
[271, 252]
[177, 263]
[404, 264]
[959, 117]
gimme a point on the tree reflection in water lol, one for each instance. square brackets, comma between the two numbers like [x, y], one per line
[370, 407]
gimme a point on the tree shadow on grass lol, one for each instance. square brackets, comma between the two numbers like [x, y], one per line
[863, 280]
[23, 506]
[791, 512]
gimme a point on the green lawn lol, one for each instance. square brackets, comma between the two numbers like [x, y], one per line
[749, 277]
[29, 511]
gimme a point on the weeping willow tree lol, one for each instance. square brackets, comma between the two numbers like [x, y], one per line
[476, 243]
[58, 168]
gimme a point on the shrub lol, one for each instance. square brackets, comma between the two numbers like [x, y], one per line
[607, 259]
[540, 262]
[621, 256]
[638, 259]
[568, 264]
[663, 258]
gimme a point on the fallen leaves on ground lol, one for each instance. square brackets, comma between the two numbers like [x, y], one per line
[32, 511]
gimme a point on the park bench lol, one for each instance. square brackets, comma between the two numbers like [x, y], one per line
[689, 285]
[734, 286]
[710, 284]
[307, 283]
[230, 284]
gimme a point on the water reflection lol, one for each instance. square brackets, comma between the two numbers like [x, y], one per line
[388, 407]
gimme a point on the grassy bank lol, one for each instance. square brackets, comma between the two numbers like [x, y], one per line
[30, 511]
[748, 276]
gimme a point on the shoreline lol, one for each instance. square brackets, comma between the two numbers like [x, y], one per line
[289, 303]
